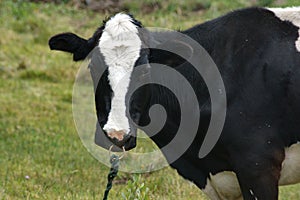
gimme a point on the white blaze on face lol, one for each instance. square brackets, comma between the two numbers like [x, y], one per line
[291, 14]
[120, 45]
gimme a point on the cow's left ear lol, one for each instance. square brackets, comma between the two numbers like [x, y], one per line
[179, 53]
[70, 42]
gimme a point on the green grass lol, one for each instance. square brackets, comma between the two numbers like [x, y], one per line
[41, 155]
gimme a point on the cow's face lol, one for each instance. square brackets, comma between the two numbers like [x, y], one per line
[119, 50]
[121, 53]
[118, 110]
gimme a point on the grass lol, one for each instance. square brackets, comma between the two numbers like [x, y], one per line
[41, 155]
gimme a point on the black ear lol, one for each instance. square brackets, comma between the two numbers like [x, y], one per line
[180, 53]
[69, 42]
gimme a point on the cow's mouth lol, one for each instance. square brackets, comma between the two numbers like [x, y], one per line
[121, 139]
[117, 140]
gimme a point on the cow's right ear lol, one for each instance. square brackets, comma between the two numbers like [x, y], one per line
[69, 42]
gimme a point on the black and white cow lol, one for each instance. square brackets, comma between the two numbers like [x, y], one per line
[257, 52]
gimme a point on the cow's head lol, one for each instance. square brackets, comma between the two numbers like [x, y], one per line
[120, 45]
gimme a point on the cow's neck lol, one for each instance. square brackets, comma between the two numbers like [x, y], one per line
[163, 97]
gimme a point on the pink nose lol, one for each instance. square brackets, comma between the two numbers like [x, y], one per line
[119, 135]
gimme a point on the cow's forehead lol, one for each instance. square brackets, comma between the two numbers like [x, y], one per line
[120, 22]
[120, 19]
[120, 46]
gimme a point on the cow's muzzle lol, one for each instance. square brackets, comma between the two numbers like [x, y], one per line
[119, 139]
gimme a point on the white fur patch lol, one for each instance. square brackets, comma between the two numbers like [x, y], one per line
[210, 191]
[120, 45]
[290, 172]
[223, 186]
[291, 14]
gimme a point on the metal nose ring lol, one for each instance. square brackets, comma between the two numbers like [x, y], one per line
[123, 154]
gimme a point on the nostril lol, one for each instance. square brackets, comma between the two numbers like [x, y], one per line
[119, 135]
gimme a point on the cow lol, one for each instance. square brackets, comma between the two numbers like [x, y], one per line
[257, 52]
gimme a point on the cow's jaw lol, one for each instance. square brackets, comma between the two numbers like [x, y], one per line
[120, 45]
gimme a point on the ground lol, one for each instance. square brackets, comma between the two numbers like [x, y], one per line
[41, 155]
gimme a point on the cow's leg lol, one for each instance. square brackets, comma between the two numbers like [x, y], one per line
[258, 170]
[263, 186]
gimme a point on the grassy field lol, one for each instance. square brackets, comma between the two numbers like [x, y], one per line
[41, 155]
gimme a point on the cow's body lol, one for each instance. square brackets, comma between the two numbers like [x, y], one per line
[257, 54]
[260, 66]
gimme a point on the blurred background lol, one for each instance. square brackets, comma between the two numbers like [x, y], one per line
[41, 155]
